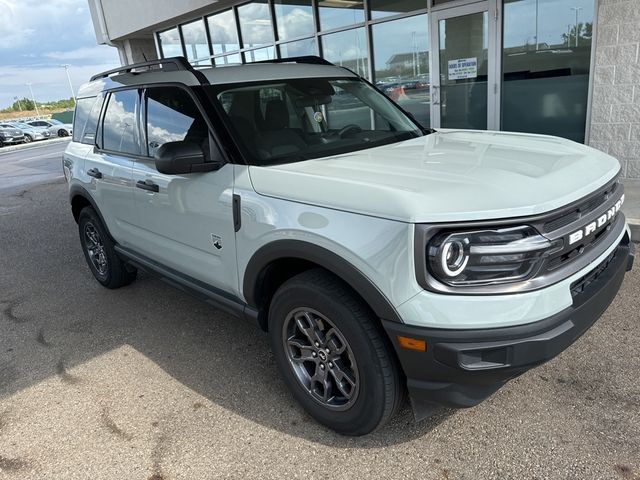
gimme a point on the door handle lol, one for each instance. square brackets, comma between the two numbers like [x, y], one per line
[147, 185]
[94, 172]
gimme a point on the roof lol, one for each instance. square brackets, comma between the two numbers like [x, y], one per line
[253, 72]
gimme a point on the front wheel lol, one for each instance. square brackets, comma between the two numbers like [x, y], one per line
[63, 133]
[28, 139]
[333, 355]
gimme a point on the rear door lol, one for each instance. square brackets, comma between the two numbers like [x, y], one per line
[110, 164]
[185, 221]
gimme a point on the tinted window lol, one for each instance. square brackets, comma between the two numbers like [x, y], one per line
[83, 107]
[172, 116]
[119, 127]
[545, 61]
[89, 134]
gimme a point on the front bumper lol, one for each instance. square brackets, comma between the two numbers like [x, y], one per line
[13, 140]
[461, 368]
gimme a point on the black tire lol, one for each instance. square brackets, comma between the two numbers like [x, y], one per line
[63, 133]
[104, 263]
[379, 391]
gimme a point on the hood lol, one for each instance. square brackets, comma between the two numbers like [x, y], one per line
[450, 175]
[12, 132]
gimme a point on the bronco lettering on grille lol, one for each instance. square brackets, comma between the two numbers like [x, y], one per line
[596, 224]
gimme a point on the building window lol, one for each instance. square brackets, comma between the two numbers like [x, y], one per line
[260, 54]
[223, 32]
[170, 45]
[401, 59]
[545, 63]
[347, 49]
[232, 59]
[195, 41]
[300, 48]
[340, 13]
[255, 24]
[294, 18]
[384, 8]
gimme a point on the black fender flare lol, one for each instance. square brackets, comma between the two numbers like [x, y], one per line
[79, 191]
[297, 249]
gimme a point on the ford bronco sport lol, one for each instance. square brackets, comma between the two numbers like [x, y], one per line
[382, 258]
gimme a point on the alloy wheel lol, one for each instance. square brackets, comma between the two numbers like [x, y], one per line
[95, 250]
[321, 358]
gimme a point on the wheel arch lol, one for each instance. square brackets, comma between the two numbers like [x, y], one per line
[274, 263]
[79, 197]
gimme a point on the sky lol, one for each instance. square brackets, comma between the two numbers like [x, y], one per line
[36, 37]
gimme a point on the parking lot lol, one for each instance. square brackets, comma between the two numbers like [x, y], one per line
[148, 383]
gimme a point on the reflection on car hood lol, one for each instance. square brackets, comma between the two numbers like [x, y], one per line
[11, 131]
[450, 175]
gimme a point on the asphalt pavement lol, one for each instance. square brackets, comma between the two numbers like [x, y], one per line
[147, 382]
[27, 164]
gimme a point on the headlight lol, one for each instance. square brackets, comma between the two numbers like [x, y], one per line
[487, 257]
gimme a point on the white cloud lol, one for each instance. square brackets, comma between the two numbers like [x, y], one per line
[94, 54]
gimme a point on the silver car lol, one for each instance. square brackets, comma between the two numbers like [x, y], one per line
[55, 127]
[31, 133]
[10, 136]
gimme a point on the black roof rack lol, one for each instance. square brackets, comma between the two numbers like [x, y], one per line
[171, 64]
[308, 59]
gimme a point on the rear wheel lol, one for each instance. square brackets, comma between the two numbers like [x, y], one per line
[100, 253]
[333, 355]
[63, 133]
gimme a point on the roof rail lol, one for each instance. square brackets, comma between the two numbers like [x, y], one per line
[168, 64]
[308, 59]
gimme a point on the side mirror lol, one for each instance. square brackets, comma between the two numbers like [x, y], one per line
[174, 158]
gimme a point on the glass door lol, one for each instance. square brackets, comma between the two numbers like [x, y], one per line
[464, 79]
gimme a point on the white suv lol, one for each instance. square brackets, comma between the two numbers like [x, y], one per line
[381, 258]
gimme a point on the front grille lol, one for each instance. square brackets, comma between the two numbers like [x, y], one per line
[581, 209]
[582, 283]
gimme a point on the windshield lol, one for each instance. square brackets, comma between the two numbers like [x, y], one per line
[299, 119]
[55, 122]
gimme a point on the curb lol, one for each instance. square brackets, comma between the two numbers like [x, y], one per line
[634, 225]
[37, 143]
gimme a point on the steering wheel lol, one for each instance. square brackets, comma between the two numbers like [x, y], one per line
[348, 129]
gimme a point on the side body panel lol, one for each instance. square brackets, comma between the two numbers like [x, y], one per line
[379, 249]
[113, 192]
[188, 224]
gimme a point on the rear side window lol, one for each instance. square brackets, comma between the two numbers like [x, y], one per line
[85, 120]
[172, 116]
[119, 129]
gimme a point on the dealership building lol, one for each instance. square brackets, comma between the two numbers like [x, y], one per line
[563, 67]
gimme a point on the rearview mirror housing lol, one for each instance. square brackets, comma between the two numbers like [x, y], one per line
[175, 158]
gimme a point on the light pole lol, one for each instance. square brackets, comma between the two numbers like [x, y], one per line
[577, 9]
[19, 104]
[28, 84]
[66, 69]
[537, 41]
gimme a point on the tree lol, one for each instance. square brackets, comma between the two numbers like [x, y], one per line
[585, 33]
[22, 104]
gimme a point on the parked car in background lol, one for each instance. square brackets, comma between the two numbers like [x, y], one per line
[10, 136]
[31, 133]
[55, 127]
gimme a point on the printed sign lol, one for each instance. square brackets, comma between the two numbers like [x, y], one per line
[463, 68]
